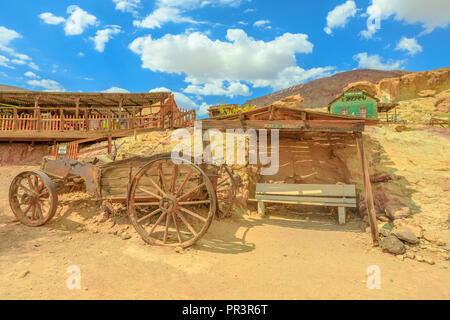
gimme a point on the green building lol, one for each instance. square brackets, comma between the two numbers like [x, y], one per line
[355, 103]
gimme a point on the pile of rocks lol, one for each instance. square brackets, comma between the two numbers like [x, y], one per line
[407, 240]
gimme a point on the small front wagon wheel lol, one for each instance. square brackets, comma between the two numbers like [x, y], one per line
[33, 198]
[171, 204]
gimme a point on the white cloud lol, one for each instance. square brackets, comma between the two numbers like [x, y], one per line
[219, 88]
[81, 54]
[173, 11]
[161, 16]
[431, 14]
[340, 16]
[366, 61]
[6, 37]
[116, 90]
[50, 18]
[47, 85]
[75, 24]
[410, 45]
[127, 5]
[182, 100]
[4, 62]
[30, 74]
[239, 59]
[78, 21]
[103, 36]
[261, 23]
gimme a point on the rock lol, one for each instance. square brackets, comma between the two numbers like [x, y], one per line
[385, 232]
[426, 93]
[179, 250]
[410, 255]
[416, 229]
[429, 260]
[403, 233]
[125, 236]
[380, 177]
[433, 238]
[385, 229]
[400, 257]
[24, 274]
[392, 245]
[383, 218]
[420, 258]
[396, 212]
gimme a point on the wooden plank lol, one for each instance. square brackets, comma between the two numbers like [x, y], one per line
[288, 125]
[293, 199]
[307, 189]
[368, 196]
[325, 204]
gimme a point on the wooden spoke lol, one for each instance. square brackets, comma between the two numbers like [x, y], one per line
[166, 231]
[30, 184]
[192, 191]
[33, 212]
[157, 222]
[186, 203]
[192, 213]
[25, 188]
[36, 184]
[163, 179]
[149, 215]
[180, 189]
[27, 209]
[174, 179]
[155, 185]
[187, 223]
[223, 189]
[174, 217]
[146, 204]
[39, 210]
[149, 192]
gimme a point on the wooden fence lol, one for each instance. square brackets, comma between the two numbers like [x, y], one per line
[95, 122]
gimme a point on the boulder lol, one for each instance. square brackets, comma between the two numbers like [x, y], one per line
[414, 228]
[405, 234]
[293, 102]
[366, 86]
[392, 245]
[397, 212]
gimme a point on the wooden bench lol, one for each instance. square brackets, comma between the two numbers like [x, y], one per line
[335, 195]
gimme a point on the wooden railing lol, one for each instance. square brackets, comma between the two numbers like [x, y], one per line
[95, 122]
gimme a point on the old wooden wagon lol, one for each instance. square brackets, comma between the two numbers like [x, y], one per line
[170, 201]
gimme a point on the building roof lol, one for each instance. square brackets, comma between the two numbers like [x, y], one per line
[68, 99]
[289, 119]
[363, 91]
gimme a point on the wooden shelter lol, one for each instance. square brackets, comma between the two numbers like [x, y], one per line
[299, 130]
[53, 116]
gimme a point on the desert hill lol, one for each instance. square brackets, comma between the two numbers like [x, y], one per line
[320, 92]
[4, 87]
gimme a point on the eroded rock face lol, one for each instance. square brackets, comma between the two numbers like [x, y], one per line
[409, 86]
[392, 245]
[293, 102]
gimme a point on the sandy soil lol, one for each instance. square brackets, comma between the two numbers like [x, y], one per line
[283, 256]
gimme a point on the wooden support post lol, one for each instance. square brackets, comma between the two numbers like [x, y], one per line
[15, 122]
[61, 119]
[109, 144]
[341, 215]
[261, 209]
[37, 114]
[368, 196]
[86, 120]
[120, 113]
[109, 120]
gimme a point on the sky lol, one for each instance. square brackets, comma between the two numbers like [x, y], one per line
[213, 51]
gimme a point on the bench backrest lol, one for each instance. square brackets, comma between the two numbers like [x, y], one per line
[311, 190]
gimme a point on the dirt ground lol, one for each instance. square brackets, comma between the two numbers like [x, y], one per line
[283, 256]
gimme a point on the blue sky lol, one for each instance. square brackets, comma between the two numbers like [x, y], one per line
[208, 50]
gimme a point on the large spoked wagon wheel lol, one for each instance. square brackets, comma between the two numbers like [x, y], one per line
[33, 198]
[171, 202]
[225, 191]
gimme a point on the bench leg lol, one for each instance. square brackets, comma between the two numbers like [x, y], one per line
[261, 209]
[341, 215]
